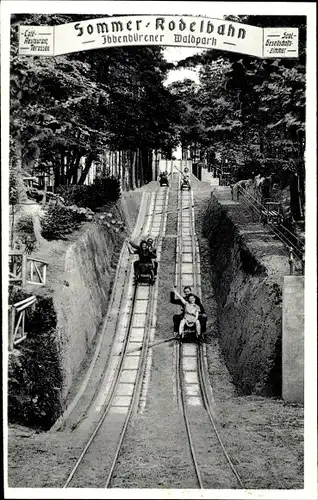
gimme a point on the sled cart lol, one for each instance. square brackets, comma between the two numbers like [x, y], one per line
[163, 180]
[185, 184]
[189, 334]
[145, 273]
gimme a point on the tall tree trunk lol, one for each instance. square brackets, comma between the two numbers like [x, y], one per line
[130, 156]
[72, 165]
[149, 172]
[127, 170]
[13, 210]
[301, 212]
[154, 164]
[16, 165]
[142, 166]
[106, 162]
[137, 176]
[122, 169]
[119, 166]
[56, 169]
[140, 172]
[133, 170]
[115, 164]
[145, 166]
[45, 191]
[112, 163]
[88, 164]
[73, 173]
[76, 169]
[62, 178]
[150, 165]
[294, 197]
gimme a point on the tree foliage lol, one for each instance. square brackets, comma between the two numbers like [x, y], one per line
[74, 106]
[248, 110]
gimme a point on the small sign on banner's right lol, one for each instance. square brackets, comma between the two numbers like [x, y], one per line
[280, 42]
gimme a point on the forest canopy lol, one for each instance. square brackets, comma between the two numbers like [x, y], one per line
[75, 106]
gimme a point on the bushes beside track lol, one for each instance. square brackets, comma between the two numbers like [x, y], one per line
[35, 378]
[103, 191]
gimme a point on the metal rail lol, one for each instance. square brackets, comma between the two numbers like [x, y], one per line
[118, 372]
[203, 374]
[183, 408]
[109, 399]
[137, 388]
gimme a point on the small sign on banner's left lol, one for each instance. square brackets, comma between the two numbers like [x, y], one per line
[36, 40]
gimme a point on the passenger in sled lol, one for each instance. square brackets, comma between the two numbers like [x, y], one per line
[144, 269]
[185, 181]
[153, 251]
[190, 320]
[178, 317]
[164, 178]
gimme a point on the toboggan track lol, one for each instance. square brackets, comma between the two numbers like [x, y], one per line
[186, 226]
[133, 407]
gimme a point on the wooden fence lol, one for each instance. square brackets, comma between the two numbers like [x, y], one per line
[17, 316]
[17, 266]
[36, 271]
[26, 270]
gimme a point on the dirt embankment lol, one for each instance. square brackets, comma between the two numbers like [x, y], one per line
[248, 294]
[82, 299]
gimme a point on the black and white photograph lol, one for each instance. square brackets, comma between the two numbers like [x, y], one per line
[158, 181]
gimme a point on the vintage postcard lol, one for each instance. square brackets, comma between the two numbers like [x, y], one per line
[159, 249]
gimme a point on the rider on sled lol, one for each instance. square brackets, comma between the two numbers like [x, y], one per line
[146, 255]
[185, 177]
[164, 178]
[178, 317]
[191, 314]
[153, 252]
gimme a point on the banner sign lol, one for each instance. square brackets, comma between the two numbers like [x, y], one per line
[178, 31]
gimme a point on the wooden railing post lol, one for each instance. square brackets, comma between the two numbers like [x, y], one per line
[291, 261]
[44, 274]
[303, 260]
[31, 270]
[23, 323]
[14, 266]
[11, 329]
[24, 269]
